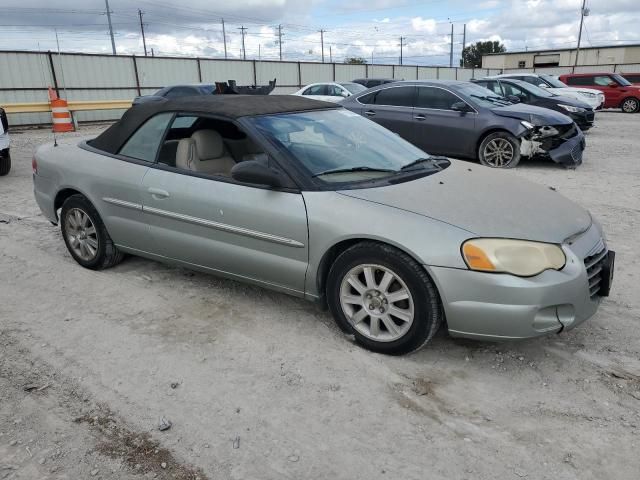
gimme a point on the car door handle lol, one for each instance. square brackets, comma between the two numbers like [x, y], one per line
[158, 193]
[420, 117]
[370, 113]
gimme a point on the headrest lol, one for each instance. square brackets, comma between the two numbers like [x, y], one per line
[208, 144]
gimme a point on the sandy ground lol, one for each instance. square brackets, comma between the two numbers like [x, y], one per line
[261, 385]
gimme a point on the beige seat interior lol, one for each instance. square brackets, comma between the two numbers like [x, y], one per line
[204, 152]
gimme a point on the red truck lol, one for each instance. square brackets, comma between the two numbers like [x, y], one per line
[618, 91]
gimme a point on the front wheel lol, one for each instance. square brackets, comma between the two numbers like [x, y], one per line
[499, 150]
[384, 298]
[630, 105]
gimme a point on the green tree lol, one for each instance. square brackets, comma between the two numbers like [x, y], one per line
[472, 55]
[355, 60]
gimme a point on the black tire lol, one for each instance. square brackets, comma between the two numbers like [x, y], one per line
[426, 304]
[630, 105]
[483, 150]
[5, 164]
[107, 255]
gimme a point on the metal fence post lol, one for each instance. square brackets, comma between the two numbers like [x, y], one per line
[437, 73]
[199, 70]
[53, 73]
[299, 76]
[334, 71]
[135, 71]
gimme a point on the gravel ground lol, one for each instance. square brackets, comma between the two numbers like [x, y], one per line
[261, 385]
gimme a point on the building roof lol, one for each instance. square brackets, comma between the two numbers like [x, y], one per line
[554, 50]
[227, 106]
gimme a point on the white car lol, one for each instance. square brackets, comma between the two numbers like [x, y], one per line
[330, 91]
[594, 98]
[5, 156]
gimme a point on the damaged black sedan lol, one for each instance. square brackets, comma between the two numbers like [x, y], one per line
[465, 120]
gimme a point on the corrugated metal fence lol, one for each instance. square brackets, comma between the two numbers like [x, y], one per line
[25, 77]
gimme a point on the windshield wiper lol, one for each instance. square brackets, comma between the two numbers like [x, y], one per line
[431, 160]
[354, 169]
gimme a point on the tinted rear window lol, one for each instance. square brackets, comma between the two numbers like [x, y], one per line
[395, 96]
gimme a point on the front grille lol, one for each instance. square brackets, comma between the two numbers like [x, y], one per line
[576, 152]
[594, 264]
[591, 116]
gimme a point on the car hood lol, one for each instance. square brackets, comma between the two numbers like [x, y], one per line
[536, 115]
[570, 101]
[486, 202]
[560, 91]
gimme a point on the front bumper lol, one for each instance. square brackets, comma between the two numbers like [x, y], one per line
[569, 153]
[487, 306]
[584, 120]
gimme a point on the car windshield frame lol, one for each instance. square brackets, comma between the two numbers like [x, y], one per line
[351, 86]
[481, 97]
[532, 89]
[552, 81]
[621, 80]
[337, 149]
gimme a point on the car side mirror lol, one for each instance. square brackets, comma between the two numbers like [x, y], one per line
[460, 107]
[257, 173]
[613, 85]
[514, 98]
[543, 85]
[344, 94]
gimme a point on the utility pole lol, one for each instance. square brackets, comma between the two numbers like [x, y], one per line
[402, 44]
[224, 39]
[451, 50]
[259, 49]
[280, 40]
[330, 55]
[464, 42]
[144, 41]
[113, 42]
[322, 43]
[244, 52]
[582, 14]
[152, 52]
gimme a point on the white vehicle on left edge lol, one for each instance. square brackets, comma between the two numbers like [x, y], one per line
[5, 155]
[330, 91]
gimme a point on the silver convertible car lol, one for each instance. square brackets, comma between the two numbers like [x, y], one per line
[313, 200]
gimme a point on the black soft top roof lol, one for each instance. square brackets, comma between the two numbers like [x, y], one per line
[230, 106]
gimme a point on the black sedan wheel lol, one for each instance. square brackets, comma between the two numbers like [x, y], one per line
[384, 298]
[499, 150]
[630, 105]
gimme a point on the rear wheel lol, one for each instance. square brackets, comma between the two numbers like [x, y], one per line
[5, 164]
[85, 235]
[630, 105]
[384, 298]
[499, 150]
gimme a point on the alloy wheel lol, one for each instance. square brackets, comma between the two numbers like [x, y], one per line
[81, 234]
[630, 105]
[498, 152]
[377, 302]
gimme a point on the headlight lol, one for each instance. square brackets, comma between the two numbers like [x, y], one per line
[571, 108]
[527, 125]
[517, 257]
[588, 94]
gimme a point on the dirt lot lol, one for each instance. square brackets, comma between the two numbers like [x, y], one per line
[261, 385]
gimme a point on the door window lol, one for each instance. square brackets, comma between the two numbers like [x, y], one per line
[603, 80]
[334, 91]
[144, 143]
[395, 96]
[316, 90]
[584, 80]
[493, 86]
[435, 98]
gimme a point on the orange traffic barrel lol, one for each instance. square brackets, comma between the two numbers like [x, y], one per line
[60, 113]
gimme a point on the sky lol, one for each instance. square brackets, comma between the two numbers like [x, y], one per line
[371, 29]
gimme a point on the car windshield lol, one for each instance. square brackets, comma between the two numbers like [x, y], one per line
[553, 81]
[621, 80]
[354, 87]
[534, 90]
[481, 96]
[341, 146]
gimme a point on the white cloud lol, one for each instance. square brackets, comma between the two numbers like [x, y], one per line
[420, 24]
